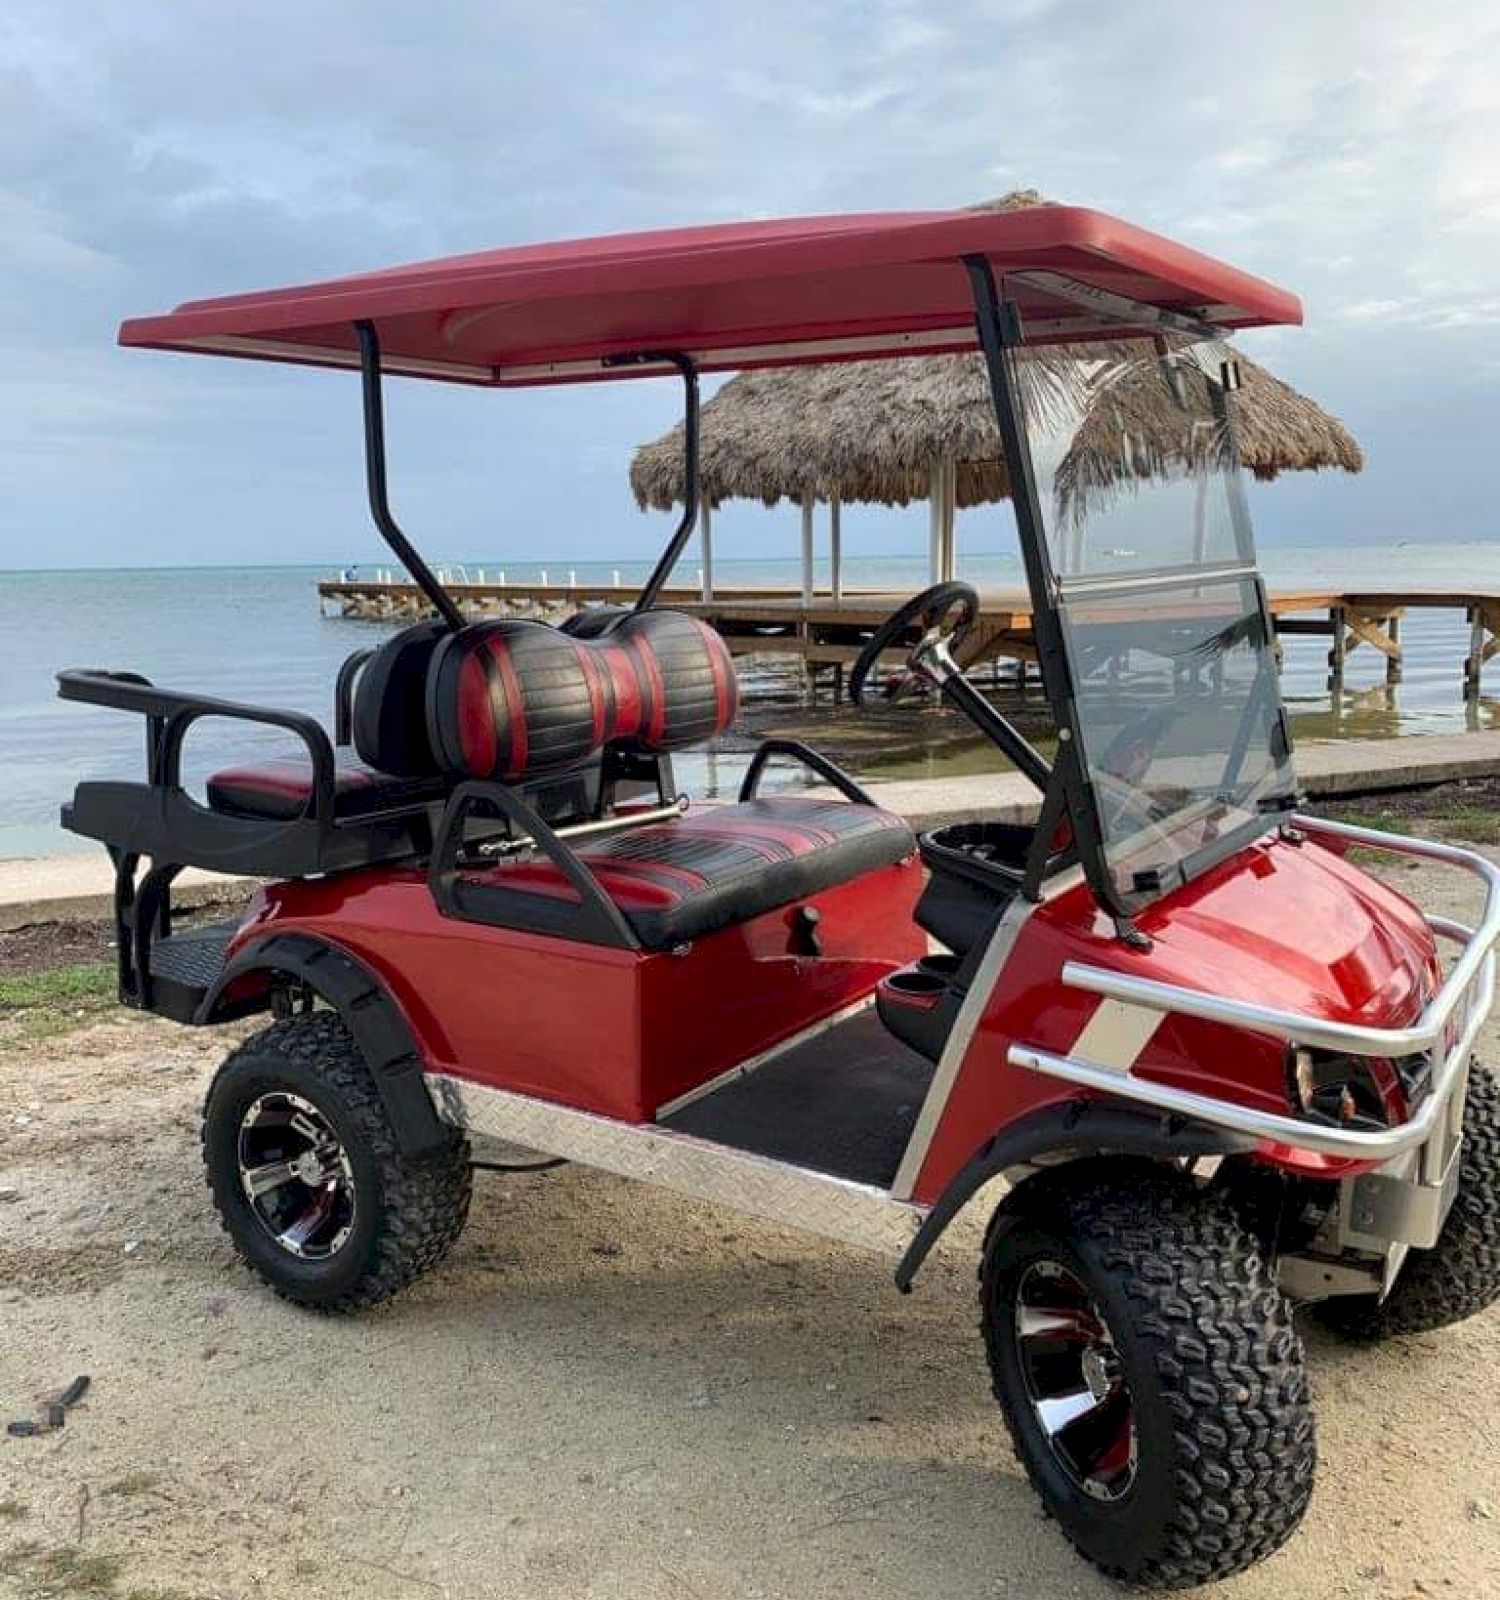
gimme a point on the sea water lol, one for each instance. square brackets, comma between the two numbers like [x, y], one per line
[256, 634]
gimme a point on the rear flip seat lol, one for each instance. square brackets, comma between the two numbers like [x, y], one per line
[278, 790]
[395, 768]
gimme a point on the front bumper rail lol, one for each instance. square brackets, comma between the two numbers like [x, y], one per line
[1466, 993]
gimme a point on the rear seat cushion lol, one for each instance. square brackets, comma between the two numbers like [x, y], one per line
[389, 724]
[677, 881]
[513, 699]
[278, 789]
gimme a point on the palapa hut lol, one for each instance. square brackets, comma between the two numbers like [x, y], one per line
[892, 432]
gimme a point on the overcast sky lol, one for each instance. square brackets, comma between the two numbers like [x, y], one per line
[151, 153]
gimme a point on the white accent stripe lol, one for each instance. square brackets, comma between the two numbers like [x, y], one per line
[318, 355]
[992, 964]
[1116, 1035]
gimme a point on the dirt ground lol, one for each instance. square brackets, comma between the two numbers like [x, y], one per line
[606, 1391]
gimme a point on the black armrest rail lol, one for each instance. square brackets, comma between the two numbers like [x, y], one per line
[596, 919]
[795, 750]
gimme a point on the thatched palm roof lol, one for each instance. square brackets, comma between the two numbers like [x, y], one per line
[872, 430]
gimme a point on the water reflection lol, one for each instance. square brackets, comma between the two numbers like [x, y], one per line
[930, 741]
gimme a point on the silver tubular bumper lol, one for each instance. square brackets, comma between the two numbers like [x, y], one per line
[1454, 1014]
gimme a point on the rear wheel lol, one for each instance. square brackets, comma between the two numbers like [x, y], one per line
[1460, 1275]
[309, 1179]
[1149, 1373]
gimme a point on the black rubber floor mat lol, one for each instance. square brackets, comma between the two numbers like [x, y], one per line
[844, 1102]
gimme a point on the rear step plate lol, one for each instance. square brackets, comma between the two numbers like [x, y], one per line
[194, 957]
[185, 966]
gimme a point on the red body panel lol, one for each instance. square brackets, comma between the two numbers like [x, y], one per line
[614, 1031]
[1290, 926]
[622, 1032]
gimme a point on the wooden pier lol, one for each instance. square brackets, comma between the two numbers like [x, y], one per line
[826, 634]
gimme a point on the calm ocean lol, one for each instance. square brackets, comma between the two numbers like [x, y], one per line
[254, 633]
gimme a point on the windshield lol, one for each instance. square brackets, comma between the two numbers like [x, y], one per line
[1152, 569]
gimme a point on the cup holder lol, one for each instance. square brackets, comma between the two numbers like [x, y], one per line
[915, 986]
[917, 1004]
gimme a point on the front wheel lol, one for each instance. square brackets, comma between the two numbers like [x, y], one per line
[309, 1179]
[1460, 1275]
[1149, 1372]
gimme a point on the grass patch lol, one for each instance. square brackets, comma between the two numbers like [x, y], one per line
[1459, 820]
[1466, 811]
[45, 1573]
[135, 1483]
[1471, 823]
[37, 1005]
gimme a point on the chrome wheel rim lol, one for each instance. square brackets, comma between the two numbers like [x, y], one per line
[1075, 1381]
[296, 1175]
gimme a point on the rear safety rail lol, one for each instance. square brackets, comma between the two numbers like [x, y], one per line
[170, 713]
[1466, 994]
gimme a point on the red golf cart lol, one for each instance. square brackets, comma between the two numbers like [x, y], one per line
[1198, 1063]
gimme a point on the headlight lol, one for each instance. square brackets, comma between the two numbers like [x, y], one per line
[1334, 1088]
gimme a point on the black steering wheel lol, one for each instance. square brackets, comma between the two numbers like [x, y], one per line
[943, 615]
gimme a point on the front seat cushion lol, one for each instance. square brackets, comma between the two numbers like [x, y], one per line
[676, 881]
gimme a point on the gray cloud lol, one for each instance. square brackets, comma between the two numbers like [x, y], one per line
[149, 154]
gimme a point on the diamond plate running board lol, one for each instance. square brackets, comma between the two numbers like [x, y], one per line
[815, 1202]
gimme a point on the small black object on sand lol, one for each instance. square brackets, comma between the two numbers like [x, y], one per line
[54, 1411]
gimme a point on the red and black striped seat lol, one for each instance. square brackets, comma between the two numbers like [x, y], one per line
[514, 699]
[677, 881]
[509, 700]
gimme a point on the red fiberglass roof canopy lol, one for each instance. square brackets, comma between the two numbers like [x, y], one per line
[732, 295]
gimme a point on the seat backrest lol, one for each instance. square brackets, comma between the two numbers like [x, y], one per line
[514, 699]
[389, 722]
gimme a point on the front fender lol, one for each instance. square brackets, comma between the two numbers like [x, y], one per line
[1060, 1133]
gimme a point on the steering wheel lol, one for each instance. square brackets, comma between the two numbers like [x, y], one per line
[944, 613]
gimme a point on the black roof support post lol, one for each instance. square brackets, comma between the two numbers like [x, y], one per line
[380, 505]
[670, 556]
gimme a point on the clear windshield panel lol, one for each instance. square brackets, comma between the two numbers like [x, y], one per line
[1134, 458]
[1178, 706]
[1179, 714]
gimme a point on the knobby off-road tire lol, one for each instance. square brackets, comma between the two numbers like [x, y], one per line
[1461, 1273]
[401, 1214]
[1196, 1330]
